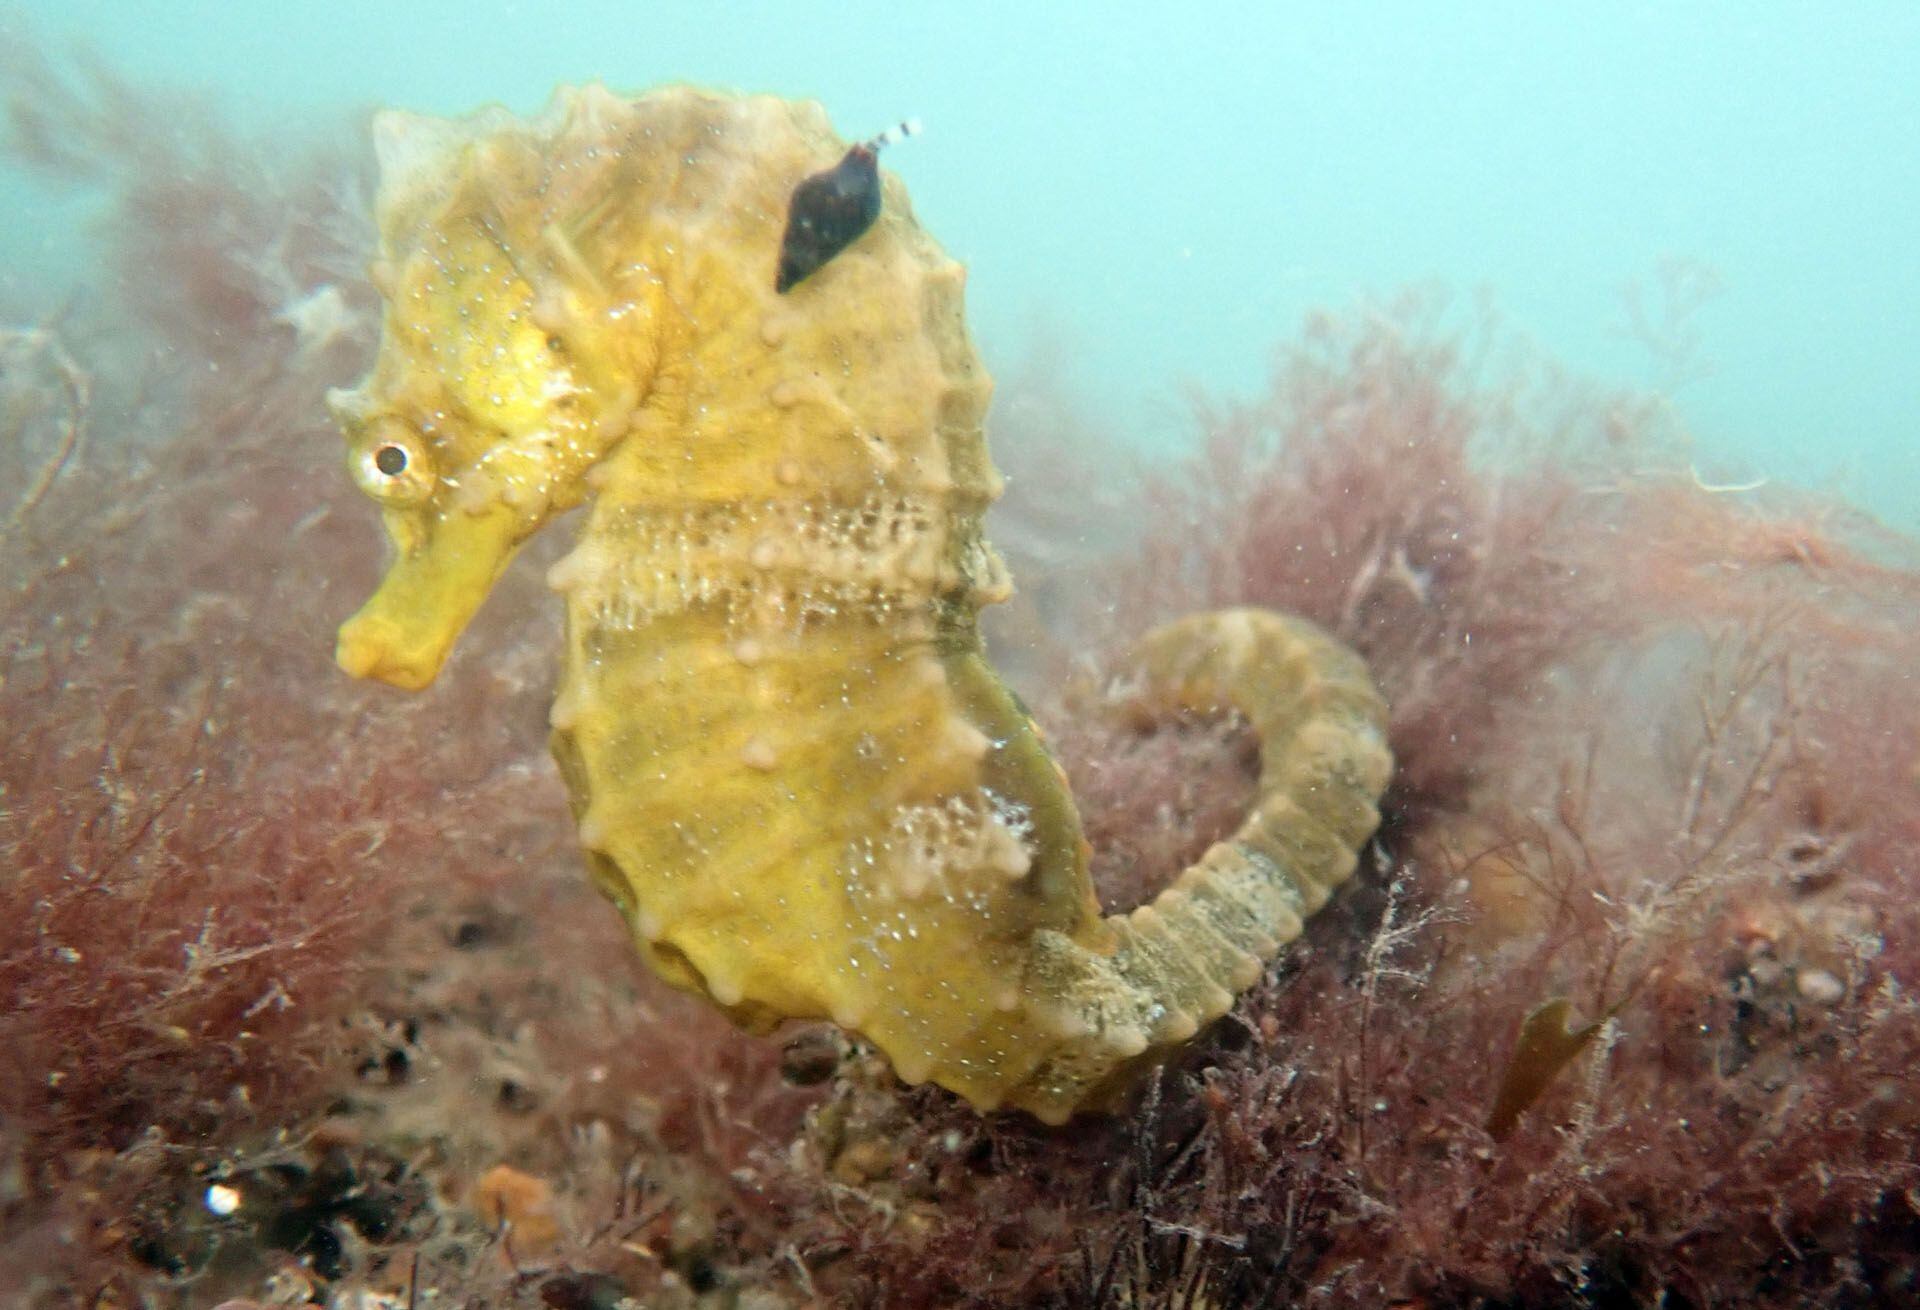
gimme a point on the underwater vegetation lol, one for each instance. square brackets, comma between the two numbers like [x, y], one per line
[1618, 1009]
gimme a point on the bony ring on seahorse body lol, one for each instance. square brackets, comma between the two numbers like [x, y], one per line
[791, 765]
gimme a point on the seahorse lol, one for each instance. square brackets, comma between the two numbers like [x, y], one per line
[792, 768]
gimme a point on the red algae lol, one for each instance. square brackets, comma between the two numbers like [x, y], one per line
[328, 948]
[1659, 768]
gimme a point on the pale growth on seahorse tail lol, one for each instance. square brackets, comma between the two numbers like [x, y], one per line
[791, 766]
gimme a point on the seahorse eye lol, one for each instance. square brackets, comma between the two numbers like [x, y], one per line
[393, 464]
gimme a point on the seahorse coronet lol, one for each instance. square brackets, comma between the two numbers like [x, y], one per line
[792, 768]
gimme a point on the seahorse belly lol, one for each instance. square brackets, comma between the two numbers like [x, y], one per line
[798, 776]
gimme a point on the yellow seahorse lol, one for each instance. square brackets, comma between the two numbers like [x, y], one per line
[792, 767]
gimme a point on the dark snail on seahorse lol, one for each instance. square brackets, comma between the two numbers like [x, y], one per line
[792, 767]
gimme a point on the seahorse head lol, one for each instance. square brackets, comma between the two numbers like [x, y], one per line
[602, 278]
[498, 384]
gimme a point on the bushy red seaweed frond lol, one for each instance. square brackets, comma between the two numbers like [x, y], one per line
[233, 250]
[1379, 488]
[1067, 511]
[202, 829]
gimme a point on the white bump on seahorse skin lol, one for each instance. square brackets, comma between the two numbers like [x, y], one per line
[1177, 1027]
[773, 329]
[385, 276]
[593, 833]
[982, 1101]
[647, 924]
[965, 740]
[523, 494]
[617, 415]
[575, 569]
[1003, 850]
[565, 711]
[788, 392]
[788, 472]
[913, 1067]
[1234, 638]
[558, 385]
[995, 591]
[550, 310]
[849, 1013]
[1054, 1114]
[764, 554]
[1246, 971]
[1010, 829]
[477, 491]
[1007, 999]
[913, 873]
[725, 988]
[1061, 1021]
[748, 651]
[759, 754]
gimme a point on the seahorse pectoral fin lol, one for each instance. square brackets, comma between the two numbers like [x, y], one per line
[404, 632]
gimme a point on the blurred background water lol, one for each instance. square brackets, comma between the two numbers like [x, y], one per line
[1155, 194]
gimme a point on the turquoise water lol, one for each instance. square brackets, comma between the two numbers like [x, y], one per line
[1163, 190]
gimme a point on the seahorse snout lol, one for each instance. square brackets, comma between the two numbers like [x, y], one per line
[407, 628]
[370, 647]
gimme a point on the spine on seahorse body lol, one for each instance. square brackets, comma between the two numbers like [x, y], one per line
[792, 765]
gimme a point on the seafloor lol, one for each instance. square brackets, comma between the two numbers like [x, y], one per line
[307, 1001]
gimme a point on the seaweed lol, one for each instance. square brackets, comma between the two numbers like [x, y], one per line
[1658, 759]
